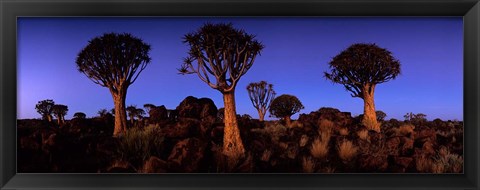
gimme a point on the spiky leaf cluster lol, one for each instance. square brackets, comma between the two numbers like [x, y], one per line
[45, 107]
[285, 105]
[114, 60]
[261, 94]
[220, 54]
[363, 65]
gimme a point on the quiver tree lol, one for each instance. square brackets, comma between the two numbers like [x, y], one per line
[285, 106]
[79, 115]
[261, 94]
[45, 108]
[114, 61]
[220, 55]
[60, 111]
[359, 69]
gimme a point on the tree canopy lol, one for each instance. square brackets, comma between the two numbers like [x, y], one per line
[223, 54]
[261, 95]
[285, 106]
[362, 65]
[45, 108]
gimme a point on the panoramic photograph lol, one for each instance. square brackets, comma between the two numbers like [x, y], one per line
[240, 95]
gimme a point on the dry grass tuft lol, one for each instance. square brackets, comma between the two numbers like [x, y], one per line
[303, 140]
[347, 150]
[326, 126]
[423, 164]
[363, 134]
[343, 131]
[319, 148]
[266, 155]
[308, 164]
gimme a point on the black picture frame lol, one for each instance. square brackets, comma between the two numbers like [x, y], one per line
[10, 10]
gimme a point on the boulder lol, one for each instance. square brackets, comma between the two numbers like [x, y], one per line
[187, 155]
[158, 114]
[154, 165]
[192, 107]
[182, 129]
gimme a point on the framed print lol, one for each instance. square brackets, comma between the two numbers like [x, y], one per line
[240, 95]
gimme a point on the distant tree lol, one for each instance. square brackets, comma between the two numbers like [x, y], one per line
[60, 111]
[45, 108]
[148, 107]
[102, 113]
[140, 113]
[221, 53]
[359, 69]
[285, 106]
[261, 94]
[80, 115]
[114, 61]
[132, 112]
[380, 115]
[416, 119]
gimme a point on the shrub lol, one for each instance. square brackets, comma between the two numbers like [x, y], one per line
[319, 148]
[347, 150]
[137, 145]
[423, 164]
[446, 162]
[406, 129]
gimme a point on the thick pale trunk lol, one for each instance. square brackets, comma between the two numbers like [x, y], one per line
[59, 120]
[261, 115]
[232, 142]
[120, 114]
[49, 118]
[369, 115]
[288, 121]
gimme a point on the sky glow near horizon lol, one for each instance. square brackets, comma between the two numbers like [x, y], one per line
[296, 54]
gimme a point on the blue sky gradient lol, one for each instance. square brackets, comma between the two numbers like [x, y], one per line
[297, 52]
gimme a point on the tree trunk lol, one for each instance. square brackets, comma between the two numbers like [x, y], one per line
[49, 118]
[261, 115]
[120, 114]
[288, 121]
[369, 115]
[59, 120]
[232, 142]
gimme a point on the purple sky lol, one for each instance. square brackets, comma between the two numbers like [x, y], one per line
[297, 52]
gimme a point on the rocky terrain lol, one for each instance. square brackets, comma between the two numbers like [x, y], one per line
[189, 139]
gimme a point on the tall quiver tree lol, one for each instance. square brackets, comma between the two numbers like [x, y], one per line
[220, 55]
[45, 108]
[360, 68]
[261, 94]
[115, 61]
[60, 111]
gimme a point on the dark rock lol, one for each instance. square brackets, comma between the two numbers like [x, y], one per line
[155, 165]
[370, 163]
[158, 114]
[184, 128]
[403, 161]
[192, 107]
[187, 155]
